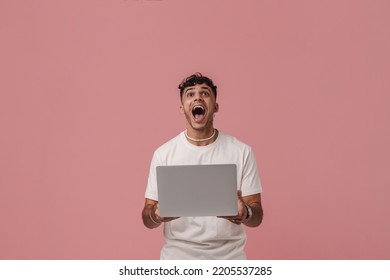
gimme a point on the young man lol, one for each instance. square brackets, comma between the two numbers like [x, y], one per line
[201, 143]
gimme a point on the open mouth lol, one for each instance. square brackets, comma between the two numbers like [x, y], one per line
[198, 112]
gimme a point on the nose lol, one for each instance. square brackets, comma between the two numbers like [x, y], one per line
[198, 97]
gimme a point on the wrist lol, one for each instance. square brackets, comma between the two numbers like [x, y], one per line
[249, 213]
[154, 220]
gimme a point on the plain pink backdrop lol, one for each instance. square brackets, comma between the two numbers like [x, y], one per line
[88, 90]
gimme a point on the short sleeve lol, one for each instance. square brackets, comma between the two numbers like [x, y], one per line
[251, 183]
[151, 188]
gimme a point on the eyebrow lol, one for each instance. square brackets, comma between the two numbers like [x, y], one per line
[190, 88]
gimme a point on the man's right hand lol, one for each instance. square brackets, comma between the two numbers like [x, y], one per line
[159, 218]
[151, 215]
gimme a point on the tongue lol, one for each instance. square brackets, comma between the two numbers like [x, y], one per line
[198, 117]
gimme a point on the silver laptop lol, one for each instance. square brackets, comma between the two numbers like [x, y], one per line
[197, 190]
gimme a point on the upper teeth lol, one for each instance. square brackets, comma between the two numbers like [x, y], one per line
[198, 106]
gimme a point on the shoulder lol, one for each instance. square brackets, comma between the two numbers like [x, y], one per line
[233, 142]
[169, 145]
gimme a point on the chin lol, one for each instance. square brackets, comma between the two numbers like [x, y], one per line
[199, 126]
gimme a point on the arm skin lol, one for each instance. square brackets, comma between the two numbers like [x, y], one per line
[253, 201]
[151, 209]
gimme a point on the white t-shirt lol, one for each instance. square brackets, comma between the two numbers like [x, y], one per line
[205, 237]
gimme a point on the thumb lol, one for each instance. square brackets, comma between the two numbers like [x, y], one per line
[157, 212]
[239, 194]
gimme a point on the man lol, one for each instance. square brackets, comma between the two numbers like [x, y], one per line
[201, 143]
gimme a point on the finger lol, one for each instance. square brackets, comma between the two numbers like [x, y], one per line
[233, 219]
[168, 219]
[239, 194]
[157, 213]
[242, 211]
[236, 221]
[228, 217]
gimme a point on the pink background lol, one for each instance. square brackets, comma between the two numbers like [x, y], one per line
[88, 90]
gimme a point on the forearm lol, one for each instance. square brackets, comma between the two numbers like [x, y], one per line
[257, 214]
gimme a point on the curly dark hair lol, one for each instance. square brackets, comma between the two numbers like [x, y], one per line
[197, 78]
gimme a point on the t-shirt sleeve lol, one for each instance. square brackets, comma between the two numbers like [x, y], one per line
[151, 188]
[251, 183]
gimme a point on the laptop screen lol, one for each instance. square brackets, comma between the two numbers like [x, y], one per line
[197, 190]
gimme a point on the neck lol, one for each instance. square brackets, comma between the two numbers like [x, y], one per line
[201, 138]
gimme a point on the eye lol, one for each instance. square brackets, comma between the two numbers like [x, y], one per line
[190, 94]
[205, 93]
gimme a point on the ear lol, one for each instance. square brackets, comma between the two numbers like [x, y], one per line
[216, 107]
[181, 108]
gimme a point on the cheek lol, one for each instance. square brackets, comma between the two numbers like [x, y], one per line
[184, 108]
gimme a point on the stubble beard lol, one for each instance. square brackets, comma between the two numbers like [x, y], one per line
[203, 127]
